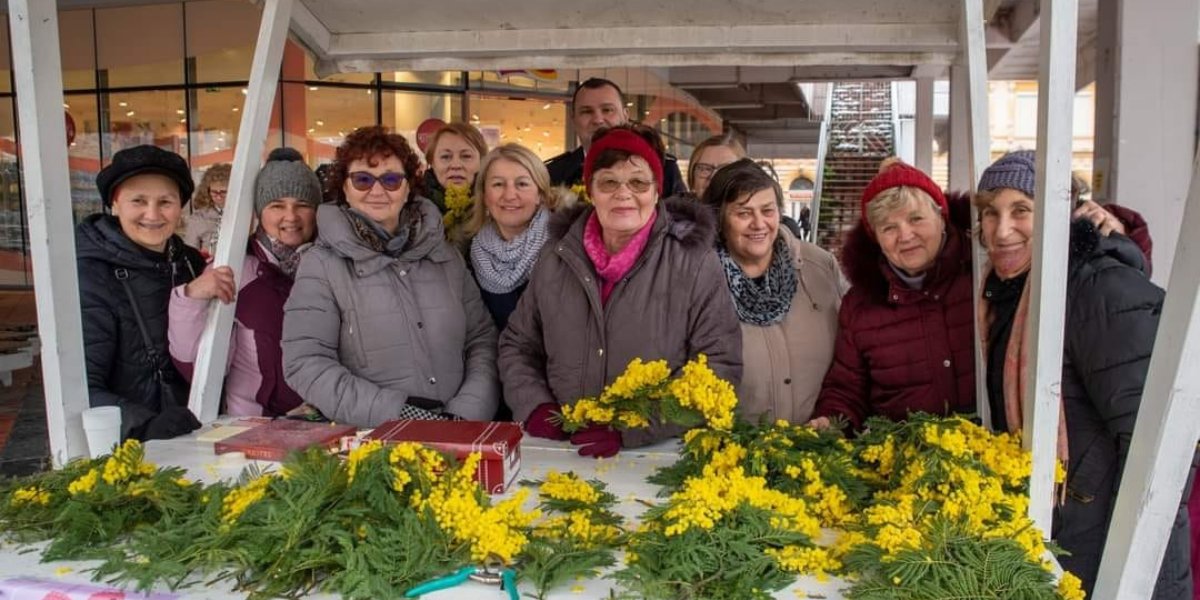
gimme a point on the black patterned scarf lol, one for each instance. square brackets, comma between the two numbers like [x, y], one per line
[763, 300]
[377, 238]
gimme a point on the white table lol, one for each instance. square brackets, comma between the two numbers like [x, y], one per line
[625, 475]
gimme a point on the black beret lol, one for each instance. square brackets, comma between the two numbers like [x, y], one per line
[140, 160]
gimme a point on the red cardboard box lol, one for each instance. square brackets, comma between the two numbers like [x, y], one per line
[498, 442]
[274, 440]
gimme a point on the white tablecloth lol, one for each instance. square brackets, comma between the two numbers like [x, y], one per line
[625, 475]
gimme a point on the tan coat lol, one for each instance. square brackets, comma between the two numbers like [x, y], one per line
[785, 363]
[562, 344]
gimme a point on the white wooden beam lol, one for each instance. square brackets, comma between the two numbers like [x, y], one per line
[1048, 280]
[923, 155]
[600, 60]
[37, 68]
[961, 172]
[804, 37]
[978, 143]
[205, 399]
[1164, 438]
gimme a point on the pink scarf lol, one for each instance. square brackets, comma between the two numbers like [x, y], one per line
[1015, 361]
[610, 268]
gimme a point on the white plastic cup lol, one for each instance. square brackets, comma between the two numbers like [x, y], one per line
[103, 428]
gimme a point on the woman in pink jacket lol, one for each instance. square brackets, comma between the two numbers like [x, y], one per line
[286, 195]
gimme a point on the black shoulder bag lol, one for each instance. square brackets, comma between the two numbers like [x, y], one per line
[172, 390]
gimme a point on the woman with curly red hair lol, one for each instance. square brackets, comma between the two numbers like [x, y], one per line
[384, 320]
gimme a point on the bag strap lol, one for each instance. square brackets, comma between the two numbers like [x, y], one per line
[123, 276]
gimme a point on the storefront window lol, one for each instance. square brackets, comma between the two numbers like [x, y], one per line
[136, 118]
[220, 39]
[83, 153]
[77, 44]
[324, 115]
[403, 112]
[14, 260]
[445, 78]
[5, 64]
[140, 45]
[537, 80]
[537, 124]
[217, 114]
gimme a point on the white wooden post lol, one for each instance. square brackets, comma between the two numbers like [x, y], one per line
[38, 72]
[1164, 438]
[973, 75]
[205, 399]
[923, 155]
[1048, 280]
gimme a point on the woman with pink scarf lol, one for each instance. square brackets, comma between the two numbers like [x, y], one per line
[628, 276]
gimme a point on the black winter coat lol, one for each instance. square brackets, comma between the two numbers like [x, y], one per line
[119, 368]
[1111, 322]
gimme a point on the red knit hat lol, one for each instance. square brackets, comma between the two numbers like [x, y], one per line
[897, 174]
[628, 141]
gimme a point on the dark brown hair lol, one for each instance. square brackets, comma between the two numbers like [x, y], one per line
[612, 156]
[373, 143]
[594, 83]
[736, 180]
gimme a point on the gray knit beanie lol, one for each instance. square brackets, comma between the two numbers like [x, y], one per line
[1015, 171]
[285, 175]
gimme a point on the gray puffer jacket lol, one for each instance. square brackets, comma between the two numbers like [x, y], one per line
[368, 337]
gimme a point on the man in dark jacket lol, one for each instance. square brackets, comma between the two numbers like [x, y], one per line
[128, 262]
[597, 103]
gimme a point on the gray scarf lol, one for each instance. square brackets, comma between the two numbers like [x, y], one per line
[502, 266]
[764, 300]
[377, 238]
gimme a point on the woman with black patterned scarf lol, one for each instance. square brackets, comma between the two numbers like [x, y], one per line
[787, 293]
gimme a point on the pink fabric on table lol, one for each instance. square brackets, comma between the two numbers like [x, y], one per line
[610, 268]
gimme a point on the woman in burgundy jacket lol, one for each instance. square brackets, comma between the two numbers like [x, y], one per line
[906, 330]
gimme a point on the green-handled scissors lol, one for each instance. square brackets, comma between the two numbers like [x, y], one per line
[508, 581]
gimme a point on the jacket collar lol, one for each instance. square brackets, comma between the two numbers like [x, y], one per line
[336, 233]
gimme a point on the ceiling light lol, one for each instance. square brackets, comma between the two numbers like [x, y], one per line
[313, 88]
[129, 113]
[235, 109]
[629, 104]
[122, 104]
[183, 120]
[65, 105]
[546, 133]
[310, 130]
[546, 106]
[474, 117]
[179, 111]
[320, 123]
[245, 91]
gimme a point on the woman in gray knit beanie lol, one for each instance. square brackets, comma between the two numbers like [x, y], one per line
[286, 196]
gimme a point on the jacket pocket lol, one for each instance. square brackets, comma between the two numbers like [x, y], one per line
[350, 342]
[1092, 476]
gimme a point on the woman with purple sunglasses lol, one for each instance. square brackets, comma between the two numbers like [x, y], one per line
[384, 321]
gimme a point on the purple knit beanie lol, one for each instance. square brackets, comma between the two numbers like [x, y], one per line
[1015, 171]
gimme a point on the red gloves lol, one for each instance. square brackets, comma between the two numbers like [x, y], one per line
[598, 441]
[542, 422]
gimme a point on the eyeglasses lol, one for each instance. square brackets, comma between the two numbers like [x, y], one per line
[609, 185]
[212, 192]
[706, 170]
[364, 181]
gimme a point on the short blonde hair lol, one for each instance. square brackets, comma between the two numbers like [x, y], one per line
[895, 198]
[726, 140]
[520, 155]
[465, 131]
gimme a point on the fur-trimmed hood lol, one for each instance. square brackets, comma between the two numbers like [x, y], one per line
[863, 261]
[688, 221]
